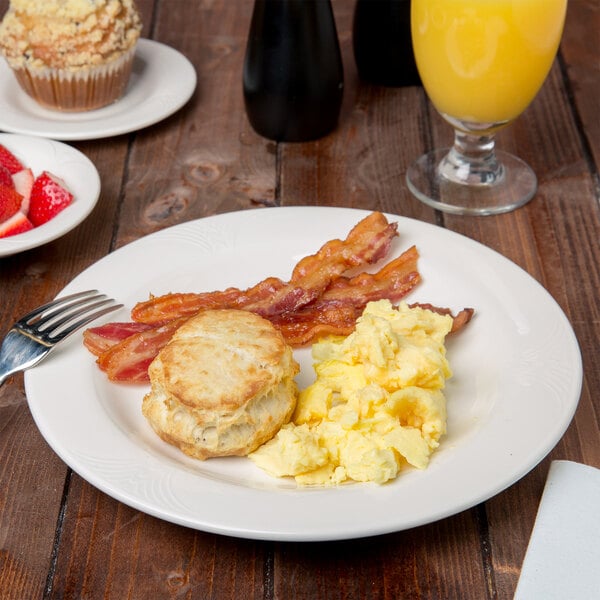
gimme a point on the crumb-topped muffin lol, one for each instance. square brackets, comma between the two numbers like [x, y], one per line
[71, 55]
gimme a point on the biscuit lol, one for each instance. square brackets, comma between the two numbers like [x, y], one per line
[222, 386]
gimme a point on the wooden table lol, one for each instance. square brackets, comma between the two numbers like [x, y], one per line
[62, 538]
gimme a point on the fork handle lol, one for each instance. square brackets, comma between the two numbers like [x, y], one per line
[6, 370]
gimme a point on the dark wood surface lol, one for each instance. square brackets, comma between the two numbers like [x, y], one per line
[62, 538]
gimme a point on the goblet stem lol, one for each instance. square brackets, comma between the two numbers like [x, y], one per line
[472, 161]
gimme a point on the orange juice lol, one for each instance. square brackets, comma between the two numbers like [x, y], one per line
[485, 60]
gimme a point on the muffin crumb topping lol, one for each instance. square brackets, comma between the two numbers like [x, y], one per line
[68, 34]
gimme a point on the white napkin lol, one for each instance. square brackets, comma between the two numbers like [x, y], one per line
[563, 556]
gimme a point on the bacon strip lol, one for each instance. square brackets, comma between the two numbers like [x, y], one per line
[126, 350]
[335, 311]
[461, 319]
[368, 241]
[307, 326]
[129, 359]
[393, 281]
[318, 300]
[99, 339]
[171, 306]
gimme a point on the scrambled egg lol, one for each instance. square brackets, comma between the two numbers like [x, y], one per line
[376, 405]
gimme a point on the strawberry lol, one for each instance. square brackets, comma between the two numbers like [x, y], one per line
[23, 183]
[18, 223]
[48, 197]
[9, 160]
[10, 202]
[6, 177]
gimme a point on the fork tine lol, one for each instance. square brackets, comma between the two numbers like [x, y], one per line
[50, 320]
[83, 321]
[58, 303]
[57, 318]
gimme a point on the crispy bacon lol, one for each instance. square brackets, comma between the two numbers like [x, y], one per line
[393, 281]
[129, 359]
[335, 311]
[99, 339]
[307, 326]
[170, 306]
[461, 319]
[367, 242]
[318, 300]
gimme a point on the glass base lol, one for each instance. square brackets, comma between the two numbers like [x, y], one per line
[431, 181]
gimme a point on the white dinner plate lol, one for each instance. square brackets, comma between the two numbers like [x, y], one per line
[162, 81]
[517, 380]
[74, 168]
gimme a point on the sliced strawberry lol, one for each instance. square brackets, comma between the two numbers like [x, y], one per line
[48, 197]
[9, 160]
[23, 182]
[10, 202]
[18, 223]
[6, 177]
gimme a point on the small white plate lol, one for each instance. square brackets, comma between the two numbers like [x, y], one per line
[516, 384]
[74, 168]
[162, 81]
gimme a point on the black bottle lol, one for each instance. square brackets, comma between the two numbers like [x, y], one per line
[293, 75]
[382, 43]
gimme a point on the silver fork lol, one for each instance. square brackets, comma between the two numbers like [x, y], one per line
[32, 337]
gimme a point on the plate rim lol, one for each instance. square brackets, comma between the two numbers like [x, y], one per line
[306, 534]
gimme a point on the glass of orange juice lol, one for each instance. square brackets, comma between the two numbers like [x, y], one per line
[481, 63]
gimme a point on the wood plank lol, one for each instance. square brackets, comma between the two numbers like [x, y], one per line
[110, 550]
[400, 565]
[579, 51]
[205, 159]
[29, 505]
